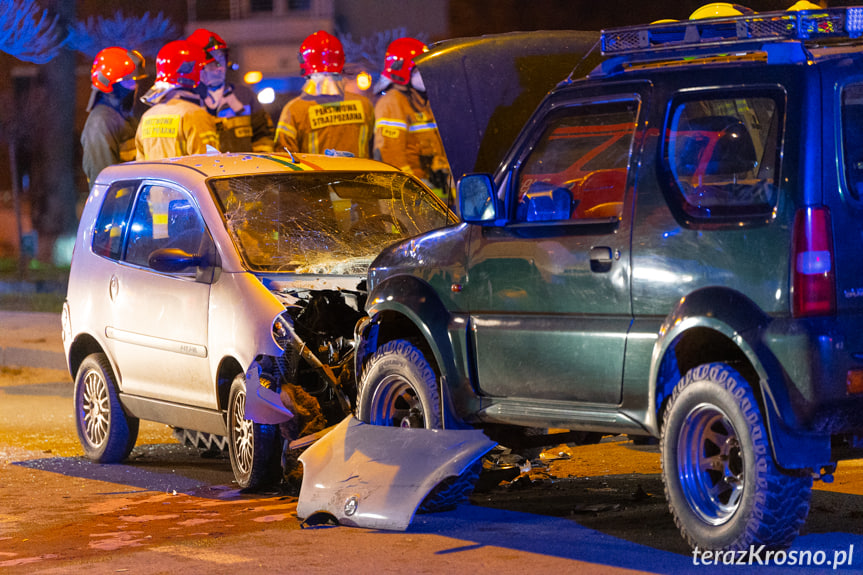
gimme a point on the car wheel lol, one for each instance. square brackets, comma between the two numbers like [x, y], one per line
[253, 447]
[105, 431]
[722, 485]
[399, 388]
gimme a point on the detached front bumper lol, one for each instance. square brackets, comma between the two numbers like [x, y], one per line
[377, 477]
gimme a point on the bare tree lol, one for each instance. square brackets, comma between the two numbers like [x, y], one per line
[146, 34]
[27, 35]
[52, 37]
[370, 50]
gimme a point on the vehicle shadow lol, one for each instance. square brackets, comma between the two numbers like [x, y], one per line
[167, 468]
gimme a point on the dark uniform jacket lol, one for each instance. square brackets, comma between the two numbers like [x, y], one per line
[243, 125]
[108, 138]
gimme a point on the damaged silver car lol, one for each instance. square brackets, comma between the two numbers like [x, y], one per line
[191, 274]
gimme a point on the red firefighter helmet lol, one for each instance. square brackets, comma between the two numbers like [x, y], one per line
[399, 59]
[321, 52]
[208, 41]
[180, 62]
[114, 65]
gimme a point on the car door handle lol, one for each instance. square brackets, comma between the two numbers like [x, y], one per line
[113, 287]
[601, 258]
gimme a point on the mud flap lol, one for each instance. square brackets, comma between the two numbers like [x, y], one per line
[374, 476]
[263, 405]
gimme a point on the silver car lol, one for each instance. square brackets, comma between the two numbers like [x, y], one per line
[190, 274]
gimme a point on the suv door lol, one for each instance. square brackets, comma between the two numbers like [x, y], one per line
[550, 289]
[158, 329]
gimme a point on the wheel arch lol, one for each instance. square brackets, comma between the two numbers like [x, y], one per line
[229, 368]
[721, 325]
[84, 345]
[404, 307]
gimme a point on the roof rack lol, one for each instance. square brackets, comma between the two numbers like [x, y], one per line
[828, 23]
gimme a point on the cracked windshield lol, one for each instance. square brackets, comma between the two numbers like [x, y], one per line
[323, 222]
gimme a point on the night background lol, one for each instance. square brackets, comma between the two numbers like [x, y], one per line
[45, 84]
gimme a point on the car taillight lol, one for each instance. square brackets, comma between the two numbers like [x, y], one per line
[814, 287]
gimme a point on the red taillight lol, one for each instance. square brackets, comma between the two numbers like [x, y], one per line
[814, 288]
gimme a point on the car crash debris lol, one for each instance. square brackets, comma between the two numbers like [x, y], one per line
[380, 477]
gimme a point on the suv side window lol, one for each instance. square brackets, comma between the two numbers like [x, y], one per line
[852, 138]
[722, 156]
[110, 225]
[163, 218]
[577, 168]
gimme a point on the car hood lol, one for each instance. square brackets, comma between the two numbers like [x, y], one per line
[482, 90]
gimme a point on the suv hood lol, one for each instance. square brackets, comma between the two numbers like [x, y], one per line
[482, 90]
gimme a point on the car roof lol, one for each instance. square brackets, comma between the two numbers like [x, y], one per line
[202, 166]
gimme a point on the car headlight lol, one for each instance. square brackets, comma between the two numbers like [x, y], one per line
[283, 327]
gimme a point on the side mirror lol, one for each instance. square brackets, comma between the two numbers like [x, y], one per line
[477, 201]
[173, 260]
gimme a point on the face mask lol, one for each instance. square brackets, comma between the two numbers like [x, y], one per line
[124, 96]
[213, 74]
[417, 81]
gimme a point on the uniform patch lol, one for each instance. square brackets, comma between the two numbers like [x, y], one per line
[160, 127]
[390, 132]
[347, 112]
[243, 131]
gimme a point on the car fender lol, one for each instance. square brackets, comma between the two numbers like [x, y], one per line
[738, 319]
[419, 304]
[247, 332]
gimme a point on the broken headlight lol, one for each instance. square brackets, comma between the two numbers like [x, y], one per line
[283, 327]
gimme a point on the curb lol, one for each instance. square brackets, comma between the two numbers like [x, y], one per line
[27, 357]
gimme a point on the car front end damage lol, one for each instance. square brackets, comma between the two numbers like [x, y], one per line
[352, 473]
[315, 369]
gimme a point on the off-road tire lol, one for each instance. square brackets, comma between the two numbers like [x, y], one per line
[252, 447]
[722, 485]
[399, 388]
[106, 432]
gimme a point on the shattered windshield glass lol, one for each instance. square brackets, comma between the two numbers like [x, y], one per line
[323, 222]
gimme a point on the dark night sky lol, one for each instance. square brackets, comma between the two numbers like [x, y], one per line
[477, 17]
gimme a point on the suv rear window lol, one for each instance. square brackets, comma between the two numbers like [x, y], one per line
[722, 156]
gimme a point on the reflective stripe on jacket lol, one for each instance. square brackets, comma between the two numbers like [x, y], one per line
[406, 135]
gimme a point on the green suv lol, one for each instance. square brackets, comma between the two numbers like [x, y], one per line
[670, 248]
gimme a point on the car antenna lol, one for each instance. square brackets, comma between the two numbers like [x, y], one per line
[582, 61]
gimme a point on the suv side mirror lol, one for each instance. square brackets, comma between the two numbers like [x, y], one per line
[477, 201]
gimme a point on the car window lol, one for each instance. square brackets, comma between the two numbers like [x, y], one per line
[110, 225]
[163, 218]
[852, 138]
[577, 168]
[324, 221]
[722, 155]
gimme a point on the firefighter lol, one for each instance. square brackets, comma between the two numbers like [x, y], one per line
[325, 116]
[406, 135]
[242, 123]
[178, 123]
[109, 132]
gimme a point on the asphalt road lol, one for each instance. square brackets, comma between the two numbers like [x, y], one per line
[589, 509]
